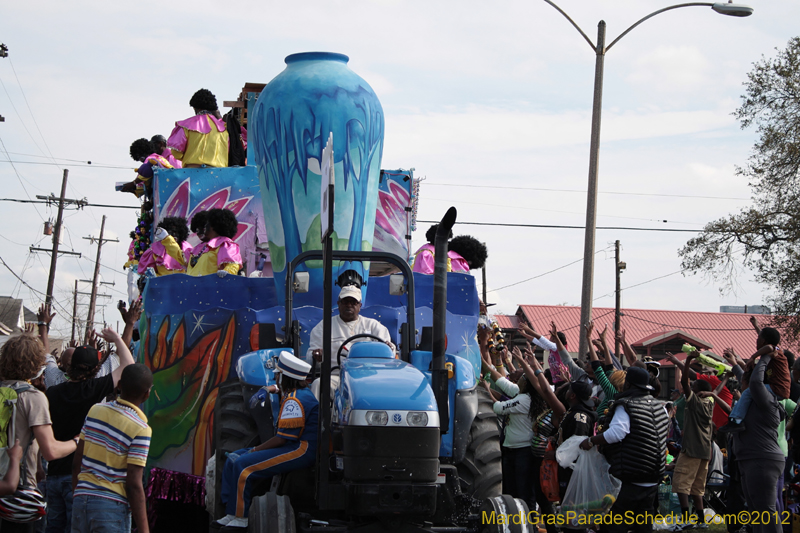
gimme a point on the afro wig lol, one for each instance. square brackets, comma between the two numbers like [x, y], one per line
[198, 222]
[175, 226]
[223, 221]
[158, 140]
[431, 234]
[141, 148]
[204, 100]
[471, 249]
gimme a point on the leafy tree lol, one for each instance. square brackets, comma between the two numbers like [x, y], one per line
[765, 236]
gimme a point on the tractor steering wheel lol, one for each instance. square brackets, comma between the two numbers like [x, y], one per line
[350, 339]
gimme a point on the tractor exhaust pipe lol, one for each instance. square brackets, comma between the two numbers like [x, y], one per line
[438, 371]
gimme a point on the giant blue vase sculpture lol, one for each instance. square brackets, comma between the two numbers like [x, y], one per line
[315, 95]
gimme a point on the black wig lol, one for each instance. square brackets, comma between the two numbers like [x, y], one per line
[223, 221]
[141, 148]
[431, 234]
[471, 249]
[198, 223]
[175, 226]
[204, 100]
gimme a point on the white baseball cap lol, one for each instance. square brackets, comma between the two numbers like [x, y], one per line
[350, 291]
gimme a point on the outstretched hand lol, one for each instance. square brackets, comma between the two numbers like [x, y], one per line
[45, 314]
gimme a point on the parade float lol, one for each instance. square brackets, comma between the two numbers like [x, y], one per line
[194, 329]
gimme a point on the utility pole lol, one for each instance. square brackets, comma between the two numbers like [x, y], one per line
[483, 272]
[74, 309]
[93, 298]
[62, 202]
[51, 279]
[619, 266]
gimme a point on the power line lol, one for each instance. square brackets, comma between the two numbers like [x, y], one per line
[555, 226]
[19, 116]
[583, 191]
[684, 326]
[642, 283]
[20, 180]
[54, 163]
[35, 123]
[544, 273]
[506, 206]
[83, 204]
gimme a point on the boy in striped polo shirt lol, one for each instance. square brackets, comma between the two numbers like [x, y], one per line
[110, 460]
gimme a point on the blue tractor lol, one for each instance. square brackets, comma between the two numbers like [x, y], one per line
[406, 443]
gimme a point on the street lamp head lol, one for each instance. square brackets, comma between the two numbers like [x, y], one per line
[733, 10]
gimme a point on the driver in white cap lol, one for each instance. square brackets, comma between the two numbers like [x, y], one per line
[344, 326]
[294, 447]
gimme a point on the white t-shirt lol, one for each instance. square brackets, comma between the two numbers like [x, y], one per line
[341, 331]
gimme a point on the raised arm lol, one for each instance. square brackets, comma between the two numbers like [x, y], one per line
[574, 370]
[719, 401]
[534, 372]
[589, 328]
[687, 391]
[43, 319]
[680, 365]
[731, 358]
[722, 383]
[761, 396]
[124, 354]
[544, 343]
[754, 321]
[606, 352]
[630, 354]
[130, 317]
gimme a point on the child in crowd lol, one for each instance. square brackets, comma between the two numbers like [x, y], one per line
[110, 459]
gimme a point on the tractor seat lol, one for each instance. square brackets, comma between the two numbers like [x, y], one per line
[373, 350]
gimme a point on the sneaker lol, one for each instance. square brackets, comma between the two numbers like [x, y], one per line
[224, 520]
[701, 525]
[235, 525]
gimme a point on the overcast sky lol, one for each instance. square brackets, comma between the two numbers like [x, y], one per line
[490, 102]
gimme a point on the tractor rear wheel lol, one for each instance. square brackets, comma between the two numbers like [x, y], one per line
[233, 429]
[481, 471]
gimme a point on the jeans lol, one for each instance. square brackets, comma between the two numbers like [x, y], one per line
[740, 408]
[637, 502]
[59, 504]
[93, 514]
[517, 473]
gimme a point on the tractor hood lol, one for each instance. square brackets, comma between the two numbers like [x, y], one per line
[390, 385]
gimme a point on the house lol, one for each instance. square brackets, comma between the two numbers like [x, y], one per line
[13, 315]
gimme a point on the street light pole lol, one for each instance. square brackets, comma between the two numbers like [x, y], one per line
[587, 285]
[600, 49]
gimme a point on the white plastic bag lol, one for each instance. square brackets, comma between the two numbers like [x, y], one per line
[592, 490]
[568, 452]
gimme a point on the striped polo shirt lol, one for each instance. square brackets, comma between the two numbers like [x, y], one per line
[115, 435]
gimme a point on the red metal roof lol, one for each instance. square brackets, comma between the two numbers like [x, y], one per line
[719, 330]
[507, 321]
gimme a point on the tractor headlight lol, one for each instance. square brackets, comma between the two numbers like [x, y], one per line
[417, 418]
[377, 418]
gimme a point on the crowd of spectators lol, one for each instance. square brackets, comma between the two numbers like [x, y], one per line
[730, 430]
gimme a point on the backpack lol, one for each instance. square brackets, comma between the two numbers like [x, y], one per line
[8, 412]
